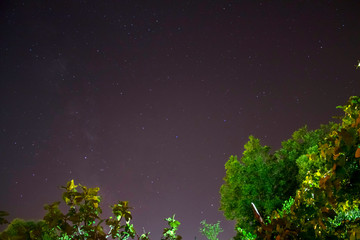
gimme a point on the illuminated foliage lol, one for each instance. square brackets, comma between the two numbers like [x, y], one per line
[314, 179]
[244, 235]
[170, 232]
[326, 205]
[267, 179]
[82, 221]
[250, 180]
[210, 231]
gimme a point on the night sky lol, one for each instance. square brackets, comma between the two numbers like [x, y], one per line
[148, 99]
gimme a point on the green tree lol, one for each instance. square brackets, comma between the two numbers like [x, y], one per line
[267, 180]
[326, 205]
[296, 153]
[256, 178]
[210, 231]
[170, 232]
[83, 218]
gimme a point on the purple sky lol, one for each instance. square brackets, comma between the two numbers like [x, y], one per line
[148, 100]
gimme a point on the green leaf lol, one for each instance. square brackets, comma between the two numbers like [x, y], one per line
[71, 186]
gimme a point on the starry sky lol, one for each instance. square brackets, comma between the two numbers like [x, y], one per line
[148, 99]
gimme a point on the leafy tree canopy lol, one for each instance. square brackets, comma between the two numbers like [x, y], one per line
[326, 205]
[323, 159]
